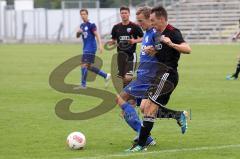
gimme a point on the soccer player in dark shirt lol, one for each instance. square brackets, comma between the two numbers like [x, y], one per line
[126, 35]
[171, 45]
[234, 76]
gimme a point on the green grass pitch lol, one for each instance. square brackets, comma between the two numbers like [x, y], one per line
[30, 129]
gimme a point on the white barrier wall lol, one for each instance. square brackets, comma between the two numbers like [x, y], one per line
[2, 6]
[44, 24]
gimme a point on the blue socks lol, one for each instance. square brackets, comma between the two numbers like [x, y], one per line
[93, 69]
[84, 76]
[98, 71]
[131, 117]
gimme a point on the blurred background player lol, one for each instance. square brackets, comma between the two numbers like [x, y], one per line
[138, 87]
[89, 34]
[126, 35]
[234, 76]
[172, 45]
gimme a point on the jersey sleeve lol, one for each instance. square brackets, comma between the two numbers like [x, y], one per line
[114, 33]
[177, 37]
[138, 32]
[93, 27]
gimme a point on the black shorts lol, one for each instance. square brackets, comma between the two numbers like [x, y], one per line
[163, 86]
[126, 64]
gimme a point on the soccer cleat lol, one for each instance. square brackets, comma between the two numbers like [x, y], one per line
[182, 121]
[230, 77]
[136, 148]
[150, 141]
[80, 87]
[107, 79]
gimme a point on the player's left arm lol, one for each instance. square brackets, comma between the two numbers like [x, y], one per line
[134, 41]
[177, 42]
[138, 34]
[99, 41]
[97, 35]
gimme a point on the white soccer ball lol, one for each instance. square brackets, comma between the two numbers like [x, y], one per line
[76, 140]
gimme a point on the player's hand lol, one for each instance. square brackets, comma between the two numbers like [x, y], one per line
[167, 41]
[110, 45]
[100, 49]
[79, 32]
[132, 41]
[111, 42]
[150, 50]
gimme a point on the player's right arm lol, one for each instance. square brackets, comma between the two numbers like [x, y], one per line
[79, 33]
[113, 40]
[237, 35]
[138, 34]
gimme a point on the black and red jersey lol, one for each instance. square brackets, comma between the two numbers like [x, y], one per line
[123, 33]
[166, 54]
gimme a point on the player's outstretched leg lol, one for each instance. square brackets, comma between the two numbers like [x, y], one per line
[182, 121]
[180, 116]
[106, 76]
[98, 71]
[235, 75]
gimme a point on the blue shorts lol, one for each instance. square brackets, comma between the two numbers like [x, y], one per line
[138, 88]
[88, 58]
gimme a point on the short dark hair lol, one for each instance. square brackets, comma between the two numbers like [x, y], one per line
[124, 8]
[84, 10]
[160, 11]
[146, 11]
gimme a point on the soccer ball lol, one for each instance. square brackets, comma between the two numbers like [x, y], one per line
[76, 140]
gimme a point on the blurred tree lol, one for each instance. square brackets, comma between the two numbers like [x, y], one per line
[56, 4]
[50, 4]
[41, 4]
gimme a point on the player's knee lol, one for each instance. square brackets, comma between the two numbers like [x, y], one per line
[117, 98]
[128, 78]
[150, 110]
[85, 65]
[132, 101]
[120, 100]
[88, 66]
[142, 106]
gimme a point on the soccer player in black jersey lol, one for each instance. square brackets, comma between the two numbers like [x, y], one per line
[167, 49]
[234, 76]
[126, 35]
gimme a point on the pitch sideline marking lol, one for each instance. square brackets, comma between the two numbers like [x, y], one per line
[162, 151]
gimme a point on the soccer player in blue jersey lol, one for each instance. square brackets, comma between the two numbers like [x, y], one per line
[89, 34]
[138, 87]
